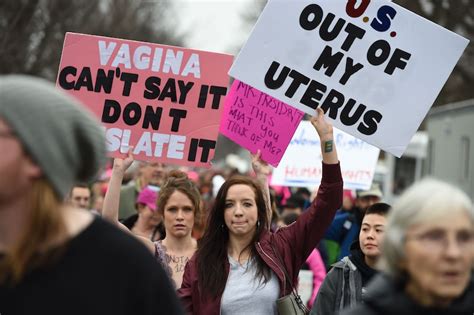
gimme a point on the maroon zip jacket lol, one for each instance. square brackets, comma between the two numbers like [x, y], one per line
[294, 243]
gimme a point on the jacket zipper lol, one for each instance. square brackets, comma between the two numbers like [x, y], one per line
[284, 278]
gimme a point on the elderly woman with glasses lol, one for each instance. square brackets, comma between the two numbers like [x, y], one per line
[428, 255]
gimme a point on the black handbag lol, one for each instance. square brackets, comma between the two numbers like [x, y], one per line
[290, 304]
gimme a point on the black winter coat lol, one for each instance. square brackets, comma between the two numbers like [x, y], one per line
[385, 297]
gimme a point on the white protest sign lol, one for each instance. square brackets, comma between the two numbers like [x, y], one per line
[374, 67]
[301, 163]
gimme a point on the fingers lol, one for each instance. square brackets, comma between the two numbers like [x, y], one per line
[256, 156]
[318, 118]
[130, 152]
[320, 112]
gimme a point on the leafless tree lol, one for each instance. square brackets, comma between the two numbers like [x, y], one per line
[32, 31]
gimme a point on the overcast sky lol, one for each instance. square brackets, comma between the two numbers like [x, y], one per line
[214, 25]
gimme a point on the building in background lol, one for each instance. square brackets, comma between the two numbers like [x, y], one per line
[445, 150]
[451, 144]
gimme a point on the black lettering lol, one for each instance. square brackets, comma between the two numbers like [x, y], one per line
[298, 79]
[193, 149]
[104, 81]
[346, 117]
[334, 100]
[63, 82]
[353, 32]
[371, 118]
[169, 90]
[398, 60]
[132, 113]
[85, 79]
[128, 79]
[313, 95]
[317, 13]
[111, 111]
[372, 57]
[203, 96]
[329, 35]
[177, 114]
[351, 68]
[270, 81]
[184, 88]
[206, 146]
[217, 92]
[152, 85]
[328, 61]
[152, 117]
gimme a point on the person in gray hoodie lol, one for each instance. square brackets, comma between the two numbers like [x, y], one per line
[345, 284]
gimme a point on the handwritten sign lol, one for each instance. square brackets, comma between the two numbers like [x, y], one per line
[374, 67]
[255, 121]
[301, 164]
[164, 101]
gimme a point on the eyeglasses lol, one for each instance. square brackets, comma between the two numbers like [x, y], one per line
[439, 239]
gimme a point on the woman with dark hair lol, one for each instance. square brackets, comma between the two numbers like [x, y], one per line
[237, 267]
[346, 283]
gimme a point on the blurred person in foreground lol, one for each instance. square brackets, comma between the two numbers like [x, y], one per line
[48, 143]
[427, 255]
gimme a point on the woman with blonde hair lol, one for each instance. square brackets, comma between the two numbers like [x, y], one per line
[427, 255]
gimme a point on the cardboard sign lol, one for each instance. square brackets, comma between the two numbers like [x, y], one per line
[256, 120]
[165, 101]
[374, 67]
[301, 164]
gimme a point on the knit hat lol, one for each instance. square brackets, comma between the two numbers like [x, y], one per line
[62, 138]
[373, 191]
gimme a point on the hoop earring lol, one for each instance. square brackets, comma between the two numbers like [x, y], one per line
[258, 224]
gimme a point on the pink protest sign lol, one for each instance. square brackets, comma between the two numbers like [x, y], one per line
[256, 120]
[164, 101]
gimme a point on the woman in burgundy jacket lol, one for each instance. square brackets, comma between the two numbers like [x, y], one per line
[235, 269]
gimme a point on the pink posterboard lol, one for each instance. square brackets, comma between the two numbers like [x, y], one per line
[164, 101]
[255, 120]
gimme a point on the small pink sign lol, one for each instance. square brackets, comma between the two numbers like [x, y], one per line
[165, 101]
[256, 120]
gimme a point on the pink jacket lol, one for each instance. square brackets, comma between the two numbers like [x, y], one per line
[294, 243]
[318, 268]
